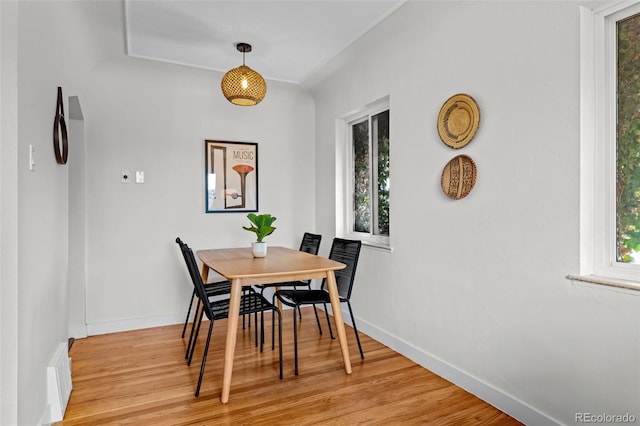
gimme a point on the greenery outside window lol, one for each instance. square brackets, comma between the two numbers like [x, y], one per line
[628, 140]
[367, 178]
[610, 142]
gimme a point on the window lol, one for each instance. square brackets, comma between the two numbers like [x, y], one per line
[367, 182]
[610, 142]
[628, 140]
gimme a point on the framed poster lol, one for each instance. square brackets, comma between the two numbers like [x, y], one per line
[231, 176]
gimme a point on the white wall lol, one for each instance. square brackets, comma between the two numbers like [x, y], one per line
[8, 213]
[77, 282]
[47, 58]
[153, 117]
[138, 115]
[58, 43]
[476, 288]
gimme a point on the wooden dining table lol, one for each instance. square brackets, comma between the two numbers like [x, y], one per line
[281, 264]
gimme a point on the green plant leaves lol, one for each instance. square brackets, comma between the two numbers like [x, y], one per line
[261, 225]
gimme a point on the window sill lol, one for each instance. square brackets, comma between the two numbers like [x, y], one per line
[377, 246]
[607, 281]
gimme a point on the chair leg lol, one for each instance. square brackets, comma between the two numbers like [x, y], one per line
[273, 344]
[245, 291]
[273, 302]
[262, 318]
[261, 330]
[326, 312]
[299, 307]
[355, 329]
[186, 320]
[193, 328]
[295, 341]
[315, 311]
[255, 322]
[192, 349]
[279, 341]
[204, 358]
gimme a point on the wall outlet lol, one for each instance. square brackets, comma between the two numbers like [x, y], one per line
[125, 177]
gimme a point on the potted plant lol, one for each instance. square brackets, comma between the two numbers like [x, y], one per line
[261, 226]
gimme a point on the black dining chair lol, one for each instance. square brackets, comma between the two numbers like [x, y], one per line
[220, 288]
[344, 251]
[215, 288]
[250, 302]
[310, 244]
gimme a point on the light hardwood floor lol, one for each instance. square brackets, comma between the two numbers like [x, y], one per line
[141, 378]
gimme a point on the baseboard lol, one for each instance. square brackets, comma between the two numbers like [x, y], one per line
[129, 324]
[59, 383]
[491, 395]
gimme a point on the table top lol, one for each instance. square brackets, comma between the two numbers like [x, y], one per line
[280, 264]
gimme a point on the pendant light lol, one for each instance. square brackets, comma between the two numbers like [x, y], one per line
[243, 86]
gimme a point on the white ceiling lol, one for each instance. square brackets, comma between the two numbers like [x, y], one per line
[291, 39]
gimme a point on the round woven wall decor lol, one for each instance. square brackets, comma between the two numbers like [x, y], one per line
[458, 177]
[458, 120]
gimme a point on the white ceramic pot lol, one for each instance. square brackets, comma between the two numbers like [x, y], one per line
[259, 249]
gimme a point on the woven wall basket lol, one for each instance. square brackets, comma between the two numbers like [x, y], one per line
[458, 120]
[458, 177]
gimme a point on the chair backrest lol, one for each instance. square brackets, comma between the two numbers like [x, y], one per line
[182, 246]
[192, 265]
[347, 252]
[180, 242]
[310, 243]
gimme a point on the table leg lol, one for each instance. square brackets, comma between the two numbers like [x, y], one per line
[337, 316]
[232, 330]
[205, 273]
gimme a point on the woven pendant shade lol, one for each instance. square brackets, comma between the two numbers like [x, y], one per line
[243, 86]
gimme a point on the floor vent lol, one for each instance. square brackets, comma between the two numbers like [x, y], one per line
[59, 381]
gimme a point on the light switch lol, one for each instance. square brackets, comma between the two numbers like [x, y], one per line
[139, 177]
[32, 159]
